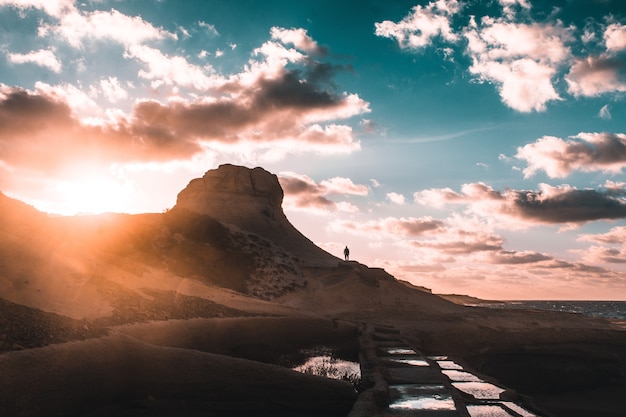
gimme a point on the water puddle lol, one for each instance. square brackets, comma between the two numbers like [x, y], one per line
[487, 411]
[447, 364]
[409, 361]
[460, 376]
[321, 361]
[420, 397]
[479, 390]
[399, 351]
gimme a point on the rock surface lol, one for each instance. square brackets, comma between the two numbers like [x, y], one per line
[249, 199]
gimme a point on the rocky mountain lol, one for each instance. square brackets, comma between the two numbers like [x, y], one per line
[227, 231]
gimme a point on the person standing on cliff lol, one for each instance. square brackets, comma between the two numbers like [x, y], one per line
[346, 253]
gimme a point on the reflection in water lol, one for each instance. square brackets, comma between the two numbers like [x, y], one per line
[487, 411]
[330, 367]
[519, 410]
[420, 397]
[409, 361]
[449, 365]
[461, 376]
[480, 390]
[400, 351]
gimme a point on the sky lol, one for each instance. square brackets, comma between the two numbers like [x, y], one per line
[468, 146]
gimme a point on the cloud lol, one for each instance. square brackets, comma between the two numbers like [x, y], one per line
[607, 255]
[112, 89]
[605, 112]
[76, 26]
[43, 57]
[169, 70]
[396, 198]
[436, 240]
[525, 59]
[298, 38]
[522, 59]
[516, 258]
[525, 208]
[209, 27]
[615, 236]
[461, 243]
[424, 23]
[509, 7]
[303, 193]
[585, 152]
[390, 227]
[54, 8]
[282, 102]
[593, 76]
[615, 37]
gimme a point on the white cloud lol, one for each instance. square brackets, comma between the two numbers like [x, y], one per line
[43, 57]
[209, 27]
[585, 152]
[75, 26]
[170, 70]
[605, 112]
[54, 8]
[521, 59]
[424, 23]
[593, 76]
[296, 37]
[396, 198]
[113, 90]
[615, 37]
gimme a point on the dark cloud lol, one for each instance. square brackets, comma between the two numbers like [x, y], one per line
[565, 206]
[24, 113]
[304, 193]
[517, 258]
[610, 255]
[477, 243]
[585, 152]
[416, 227]
[552, 205]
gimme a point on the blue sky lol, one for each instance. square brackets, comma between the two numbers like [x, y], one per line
[472, 147]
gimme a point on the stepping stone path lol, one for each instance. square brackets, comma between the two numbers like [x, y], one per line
[401, 382]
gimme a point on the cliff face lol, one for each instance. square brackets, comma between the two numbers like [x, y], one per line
[247, 198]
[250, 200]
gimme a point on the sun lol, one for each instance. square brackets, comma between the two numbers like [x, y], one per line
[92, 195]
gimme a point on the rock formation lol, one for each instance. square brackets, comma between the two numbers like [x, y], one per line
[250, 200]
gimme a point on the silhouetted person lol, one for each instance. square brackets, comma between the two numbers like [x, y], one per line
[346, 253]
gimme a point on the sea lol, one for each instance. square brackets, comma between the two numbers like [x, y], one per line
[607, 309]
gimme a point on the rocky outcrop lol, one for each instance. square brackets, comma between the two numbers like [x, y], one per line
[250, 200]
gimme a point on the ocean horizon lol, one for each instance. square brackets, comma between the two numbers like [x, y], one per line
[605, 309]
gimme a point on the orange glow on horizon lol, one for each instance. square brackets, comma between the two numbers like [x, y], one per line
[91, 195]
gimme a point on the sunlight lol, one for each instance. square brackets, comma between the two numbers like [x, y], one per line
[92, 195]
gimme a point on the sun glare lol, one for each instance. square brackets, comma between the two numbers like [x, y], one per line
[92, 195]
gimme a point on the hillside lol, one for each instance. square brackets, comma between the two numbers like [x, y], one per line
[227, 252]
